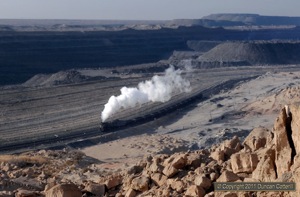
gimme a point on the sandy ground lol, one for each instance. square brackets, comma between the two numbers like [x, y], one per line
[233, 112]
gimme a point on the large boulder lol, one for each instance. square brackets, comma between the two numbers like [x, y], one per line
[258, 138]
[244, 162]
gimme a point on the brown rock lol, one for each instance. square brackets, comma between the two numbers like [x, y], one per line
[228, 176]
[195, 190]
[130, 193]
[199, 170]
[64, 190]
[265, 170]
[193, 160]
[258, 138]
[170, 171]
[113, 181]
[177, 185]
[155, 167]
[159, 179]
[243, 162]
[296, 176]
[94, 188]
[166, 193]
[218, 155]
[295, 125]
[25, 193]
[203, 182]
[178, 161]
[140, 183]
[230, 147]
[282, 147]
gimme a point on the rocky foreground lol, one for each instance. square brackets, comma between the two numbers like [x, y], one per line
[264, 156]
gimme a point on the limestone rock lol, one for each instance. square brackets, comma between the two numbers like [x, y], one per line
[177, 185]
[228, 176]
[218, 155]
[130, 193]
[193, 160]
[178, 161]
[258, 138]
[170, 171]
[97, 189]
[113, 181]
[50, 185]
[295, 125]
[25, 193]
[283, 154]
[135, 169]
[64, 190]
[244, 162]
[195, 190]
[159, 179]
[265, 170]
[203, 182]
[230, 147]
[155, 167]
[140, 183]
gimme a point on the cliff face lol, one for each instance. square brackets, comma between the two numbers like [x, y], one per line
[264, 156]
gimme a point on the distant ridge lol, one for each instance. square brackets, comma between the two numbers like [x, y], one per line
[213, 20]
[255, 19]
[51, 22]
[229, 20]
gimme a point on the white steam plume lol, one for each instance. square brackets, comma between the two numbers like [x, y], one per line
[158, 89]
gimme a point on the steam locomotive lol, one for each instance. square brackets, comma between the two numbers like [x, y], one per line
[118, 124]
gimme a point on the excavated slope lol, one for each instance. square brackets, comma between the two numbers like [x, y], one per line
[254, 52]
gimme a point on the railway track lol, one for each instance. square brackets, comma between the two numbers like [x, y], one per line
[86, 133]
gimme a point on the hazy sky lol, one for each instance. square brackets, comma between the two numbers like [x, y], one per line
[141, 9]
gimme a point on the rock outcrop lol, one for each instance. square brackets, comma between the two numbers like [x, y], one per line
[264, 156]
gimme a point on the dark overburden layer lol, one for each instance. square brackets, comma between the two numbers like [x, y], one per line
[24, 54]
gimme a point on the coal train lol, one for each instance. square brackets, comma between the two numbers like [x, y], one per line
[170, 107]
[118, 124]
